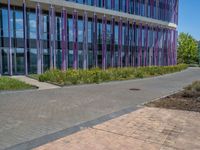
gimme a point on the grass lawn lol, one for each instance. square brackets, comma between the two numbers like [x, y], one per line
[9, 84]
[188, 99]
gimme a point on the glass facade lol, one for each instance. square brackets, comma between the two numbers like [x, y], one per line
[35, 40]
[165, 10]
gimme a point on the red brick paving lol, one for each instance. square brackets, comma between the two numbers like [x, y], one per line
[145, 129]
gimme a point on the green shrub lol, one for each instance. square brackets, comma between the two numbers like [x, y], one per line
[96, 75]
[195, 86]
[140, 73]
[55, 76]
[192, 90]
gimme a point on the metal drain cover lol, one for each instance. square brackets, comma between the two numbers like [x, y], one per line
[134, 89]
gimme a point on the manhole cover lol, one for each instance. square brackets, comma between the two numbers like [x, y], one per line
[135, 89]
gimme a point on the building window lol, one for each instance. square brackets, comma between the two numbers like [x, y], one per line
[19, 24]
[70, 33]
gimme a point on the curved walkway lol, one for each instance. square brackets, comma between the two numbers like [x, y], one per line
[32, 118]
[40, 85]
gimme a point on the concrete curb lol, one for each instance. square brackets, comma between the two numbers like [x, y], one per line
[171, 93]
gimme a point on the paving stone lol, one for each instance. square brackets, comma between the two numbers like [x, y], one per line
[116, 135]
[32, 118]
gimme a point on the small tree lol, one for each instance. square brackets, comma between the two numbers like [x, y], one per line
[187, 49]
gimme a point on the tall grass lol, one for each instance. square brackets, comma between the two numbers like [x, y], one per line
[96, 75]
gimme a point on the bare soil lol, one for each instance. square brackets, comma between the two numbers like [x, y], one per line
[182, 101]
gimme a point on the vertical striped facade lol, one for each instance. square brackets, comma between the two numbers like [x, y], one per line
[37, 35]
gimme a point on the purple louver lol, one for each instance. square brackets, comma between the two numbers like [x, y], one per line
[75, 39]
[140, 46]
[127, 44]
[112, 44]
[104, 23]
[85, 41]
[146, 45]
[120, 43]
[95, 40]
[64, 40]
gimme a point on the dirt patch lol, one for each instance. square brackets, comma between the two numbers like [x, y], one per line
[189, 99]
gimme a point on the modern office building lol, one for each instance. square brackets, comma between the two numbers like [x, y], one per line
[36, 35]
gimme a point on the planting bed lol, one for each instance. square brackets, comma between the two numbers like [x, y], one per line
[188, 99]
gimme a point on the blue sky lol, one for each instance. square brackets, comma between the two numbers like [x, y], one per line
[189, 17]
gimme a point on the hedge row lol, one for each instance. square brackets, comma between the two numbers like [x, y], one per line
[96, 75]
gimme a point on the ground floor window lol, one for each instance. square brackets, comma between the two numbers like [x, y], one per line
[125, 42]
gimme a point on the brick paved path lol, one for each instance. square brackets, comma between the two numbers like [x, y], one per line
[145, 129]
[32, 118]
